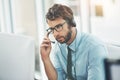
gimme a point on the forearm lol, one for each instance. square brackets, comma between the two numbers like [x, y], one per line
[50, 70]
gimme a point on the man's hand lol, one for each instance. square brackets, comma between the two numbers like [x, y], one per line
[45, 47]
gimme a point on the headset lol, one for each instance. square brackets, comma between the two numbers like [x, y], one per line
[71, 22]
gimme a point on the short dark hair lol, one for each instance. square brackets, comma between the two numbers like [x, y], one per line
[61, 11]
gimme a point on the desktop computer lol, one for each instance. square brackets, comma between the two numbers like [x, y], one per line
[17, 57]
[112, 69]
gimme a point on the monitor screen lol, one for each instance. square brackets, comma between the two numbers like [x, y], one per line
[112, 69]
[16, 57]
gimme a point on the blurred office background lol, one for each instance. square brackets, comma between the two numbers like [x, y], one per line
[27, 17]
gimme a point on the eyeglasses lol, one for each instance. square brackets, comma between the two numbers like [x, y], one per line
[58, 28]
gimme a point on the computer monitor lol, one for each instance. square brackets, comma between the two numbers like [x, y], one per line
[16, 57]
[112, 69]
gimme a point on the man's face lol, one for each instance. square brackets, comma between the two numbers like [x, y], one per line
[63, 33]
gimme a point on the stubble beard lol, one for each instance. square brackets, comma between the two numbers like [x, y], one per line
[67, 37]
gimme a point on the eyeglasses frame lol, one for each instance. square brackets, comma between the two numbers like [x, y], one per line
[55, 28]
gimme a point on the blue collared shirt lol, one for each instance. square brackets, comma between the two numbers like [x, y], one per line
[88, 53]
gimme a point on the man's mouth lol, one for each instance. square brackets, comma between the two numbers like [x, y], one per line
[60, 39]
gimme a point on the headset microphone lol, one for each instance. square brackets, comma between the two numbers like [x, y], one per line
[53, 42]
[48, 36]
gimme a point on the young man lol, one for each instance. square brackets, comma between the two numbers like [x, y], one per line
[85, 61]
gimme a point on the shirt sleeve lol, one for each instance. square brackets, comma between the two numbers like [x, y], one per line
[96, 64]
[61, 74]
[56, 64]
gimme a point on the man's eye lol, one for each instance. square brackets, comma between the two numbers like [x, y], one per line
[58, 26]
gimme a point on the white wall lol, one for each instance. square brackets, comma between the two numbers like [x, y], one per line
[24, 17]
[108, 26]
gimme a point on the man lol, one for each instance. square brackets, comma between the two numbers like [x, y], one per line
[87, 52]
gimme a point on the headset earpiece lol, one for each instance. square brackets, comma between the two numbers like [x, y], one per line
[71, 22]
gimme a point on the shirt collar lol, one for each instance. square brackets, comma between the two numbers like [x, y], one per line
[73, 46]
